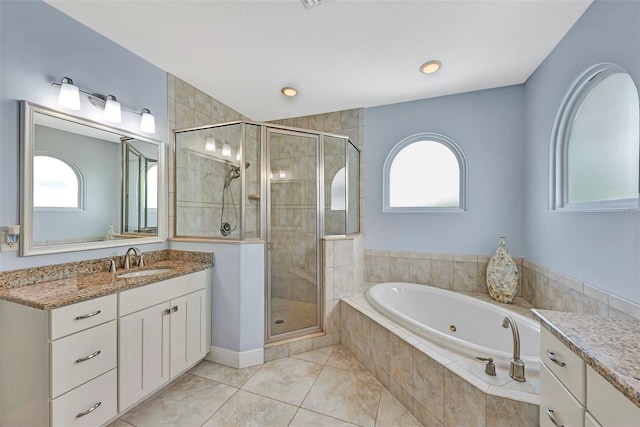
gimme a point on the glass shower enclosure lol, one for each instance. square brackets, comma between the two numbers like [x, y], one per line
[246, 181]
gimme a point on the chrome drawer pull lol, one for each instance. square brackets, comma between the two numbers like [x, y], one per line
[86, 316]
[89, 357]
[174, 309]
[88, 411]
[552, 417]
[552, 356]
[167, 312]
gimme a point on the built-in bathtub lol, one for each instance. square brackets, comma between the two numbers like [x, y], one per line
[427, 371]
[457, 322]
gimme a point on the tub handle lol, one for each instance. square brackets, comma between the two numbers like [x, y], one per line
[552, 416]
[490, 369]
[552, 356]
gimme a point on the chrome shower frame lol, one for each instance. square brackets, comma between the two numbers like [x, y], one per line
[264, 234]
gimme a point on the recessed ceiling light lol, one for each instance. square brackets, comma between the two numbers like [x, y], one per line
[430, 67]
[289, 91]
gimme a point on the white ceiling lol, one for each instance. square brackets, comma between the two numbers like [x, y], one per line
[340, 55]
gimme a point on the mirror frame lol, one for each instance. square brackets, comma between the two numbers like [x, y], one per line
[27, 132]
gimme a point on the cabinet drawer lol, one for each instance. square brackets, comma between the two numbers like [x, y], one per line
[568, 367]
[156, 293]
[83, 315]
[68, 409]
[557, 402]
[72, 359]
[607, 404]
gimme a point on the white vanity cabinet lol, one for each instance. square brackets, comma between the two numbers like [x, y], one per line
[573, 394]
[59, 366]
[164, 330]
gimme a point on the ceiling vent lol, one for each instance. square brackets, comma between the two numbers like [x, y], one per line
[311, 3]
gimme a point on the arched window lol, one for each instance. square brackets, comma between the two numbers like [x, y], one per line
[338, 190]
[595, 143]
[57, 183]
[425, 172]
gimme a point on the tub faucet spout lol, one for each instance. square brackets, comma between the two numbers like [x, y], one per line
[516, 367]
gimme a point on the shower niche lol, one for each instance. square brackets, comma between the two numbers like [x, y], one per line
[246, 181]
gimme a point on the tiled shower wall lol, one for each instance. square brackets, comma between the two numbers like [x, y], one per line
[293, 219]
[541, 287]
[189, 107]
[349, 123]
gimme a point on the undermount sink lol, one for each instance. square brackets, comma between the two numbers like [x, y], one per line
[144, 273]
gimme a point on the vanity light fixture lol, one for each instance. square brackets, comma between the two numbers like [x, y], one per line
[112, 110]
[13, 235]
[69, 97]
[69, 94]
[210, 144]
[147, 122]
[289, 91]
[226, 150]
[430, 67]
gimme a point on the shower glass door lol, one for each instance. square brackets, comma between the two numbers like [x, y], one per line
[293, 292]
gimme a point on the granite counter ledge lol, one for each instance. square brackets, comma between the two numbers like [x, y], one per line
[610, 346]
[81, 281]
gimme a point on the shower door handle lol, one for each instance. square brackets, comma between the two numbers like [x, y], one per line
[270, 246]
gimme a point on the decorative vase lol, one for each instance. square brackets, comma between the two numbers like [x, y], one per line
[502, 274]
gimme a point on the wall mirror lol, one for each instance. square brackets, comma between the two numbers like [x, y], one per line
[85, 185]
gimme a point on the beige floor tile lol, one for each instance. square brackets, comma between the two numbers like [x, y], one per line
[287, 380]
[248, 409]
[119, 423]
[391, 413]
[224, 374]
[343, 359]
[188, 402]
[350, 396]
[320, 355]
[306, 418]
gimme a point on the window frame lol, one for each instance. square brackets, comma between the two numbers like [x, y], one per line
[82, 188]
[463, 169]
[559, 145]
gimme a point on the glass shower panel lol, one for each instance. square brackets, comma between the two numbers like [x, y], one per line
[353, 220]
[252, 181]
[293, 233]
[208, 182]
[335, 185]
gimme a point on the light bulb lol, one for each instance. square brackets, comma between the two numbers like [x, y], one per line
[69, 95]
[147, 122]
[112, 110]
[238, 155]
[226, 150]
[210, 144]
[282, 174]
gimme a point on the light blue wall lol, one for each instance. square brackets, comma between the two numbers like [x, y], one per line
[39, 45]
[488, 127]
[602, 249]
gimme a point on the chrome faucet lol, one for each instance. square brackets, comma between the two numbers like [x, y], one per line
[138, 253]
[516, 366]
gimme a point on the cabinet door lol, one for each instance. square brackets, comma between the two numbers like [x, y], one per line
[188, 330]
[143, 353]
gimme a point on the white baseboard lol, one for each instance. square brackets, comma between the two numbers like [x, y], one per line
[236, 359]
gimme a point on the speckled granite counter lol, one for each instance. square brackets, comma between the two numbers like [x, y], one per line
[610, 346]
[58, 285]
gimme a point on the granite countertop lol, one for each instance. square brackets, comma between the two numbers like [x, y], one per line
[51, 291]
[610, 346]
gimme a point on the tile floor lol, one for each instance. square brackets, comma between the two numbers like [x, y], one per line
[324, 387]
